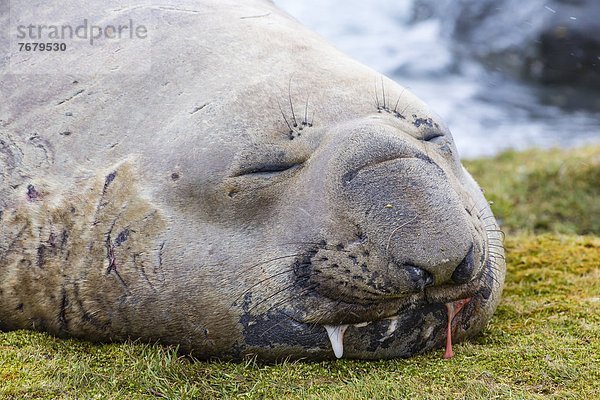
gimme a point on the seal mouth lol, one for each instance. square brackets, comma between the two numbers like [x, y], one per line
[336, 333]
[454, 299]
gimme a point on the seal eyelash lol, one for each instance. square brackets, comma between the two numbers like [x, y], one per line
[385, 104]
[296, 123]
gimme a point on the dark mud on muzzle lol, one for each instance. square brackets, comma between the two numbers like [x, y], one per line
[276, 336]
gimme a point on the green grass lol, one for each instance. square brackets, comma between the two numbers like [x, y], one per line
[543, 191]
[543, 342]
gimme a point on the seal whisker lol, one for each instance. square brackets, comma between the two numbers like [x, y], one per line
[487, 226]
[295, 296]
[291, 103]
[387, 247]
[490, 275]
[336, 306]
[377, 96]
[276, 324]
[291, 131]
[398, 101]
[500, 231]
[470, 210]
[320, 245]
[498, 247]
[497, 254]
[496, 243]
[330, 310]
[496, 257]
[305, 121]
[281, 290]
[285, 271]
[500, 238]
[494, 268]
[279, 273]
[383, 93]
[481, 210]
[243, 271]
[288, 270]
[271, 296]
[305, 290]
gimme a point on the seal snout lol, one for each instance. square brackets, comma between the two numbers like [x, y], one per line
[409, 205]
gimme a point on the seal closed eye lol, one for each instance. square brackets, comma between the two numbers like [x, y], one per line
[269, 169]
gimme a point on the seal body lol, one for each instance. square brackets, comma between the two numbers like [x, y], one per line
[257, 192]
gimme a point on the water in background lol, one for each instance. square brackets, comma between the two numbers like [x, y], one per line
[486, 111]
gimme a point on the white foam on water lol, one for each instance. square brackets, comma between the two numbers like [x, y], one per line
[486, 113]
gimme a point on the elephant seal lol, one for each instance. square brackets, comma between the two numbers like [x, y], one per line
[257, 192]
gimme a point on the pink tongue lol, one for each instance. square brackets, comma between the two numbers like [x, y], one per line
[453, 309]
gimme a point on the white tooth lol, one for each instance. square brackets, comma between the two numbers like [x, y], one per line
[391, 328]
[362, 324]
[336, 337]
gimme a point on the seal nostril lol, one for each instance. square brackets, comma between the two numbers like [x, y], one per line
[420, 277]
[464, 271]
[428, 278]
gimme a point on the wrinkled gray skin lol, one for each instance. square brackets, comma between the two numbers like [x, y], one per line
[179, 206]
